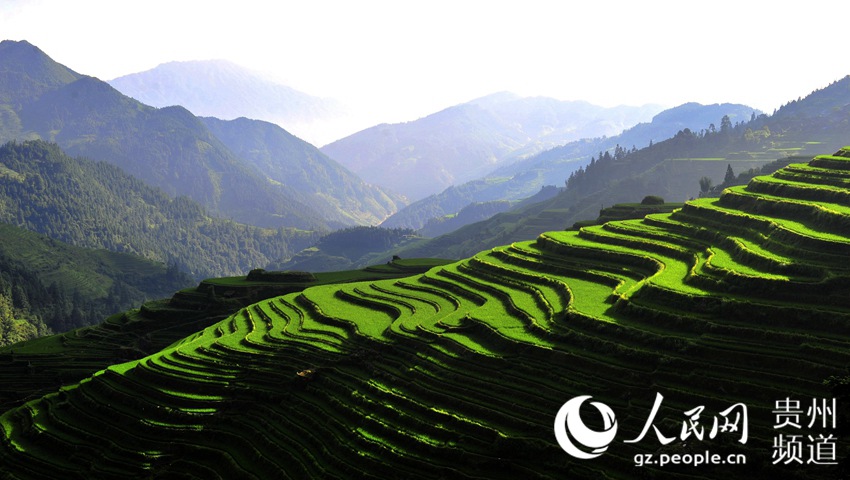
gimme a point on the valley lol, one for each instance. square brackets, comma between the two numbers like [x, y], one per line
[188, 294]
[459, 370]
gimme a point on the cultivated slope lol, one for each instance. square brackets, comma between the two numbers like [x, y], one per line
[459, 372]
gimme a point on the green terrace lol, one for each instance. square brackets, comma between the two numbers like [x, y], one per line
[430, 369]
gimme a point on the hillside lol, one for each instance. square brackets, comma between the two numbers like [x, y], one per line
[168, 148]
[692, 116]
[467, 141]
[525, 177]
[36, 367]
[96, 205]
[330, 189]
[722, 308]
[354, 247]
[66, 287]
[222, 89]
[671, 169]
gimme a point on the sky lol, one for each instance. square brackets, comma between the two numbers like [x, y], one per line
[405, 59]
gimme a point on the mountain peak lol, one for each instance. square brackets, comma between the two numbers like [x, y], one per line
[27, 72]
[226, 90]
[696, 114]
[495, 98]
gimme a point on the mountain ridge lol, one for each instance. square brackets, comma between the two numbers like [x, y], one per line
[223, 89]
[98, 205]
[168, 147]
[525, 177]
[466, 141]
[660, 169]
[312, 177]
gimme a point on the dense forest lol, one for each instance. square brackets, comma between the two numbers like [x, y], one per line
[24, 302]
[48, 284]
[97, 205]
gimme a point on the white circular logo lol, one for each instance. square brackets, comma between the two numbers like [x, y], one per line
[568, 424]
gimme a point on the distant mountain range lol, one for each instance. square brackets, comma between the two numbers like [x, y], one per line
[169, 147]
[467, 141]
[524, 178]
[670, 168]
[223, 89]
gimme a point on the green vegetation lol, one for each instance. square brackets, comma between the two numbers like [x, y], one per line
[652, 200]
[168, 148]
[626, 211]
[53, 285]
[458, 369]
[336, 194]
[252, 172]
[141, 332]
[350, 248]
[96, 205]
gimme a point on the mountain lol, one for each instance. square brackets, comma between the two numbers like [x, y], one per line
[709, 324]
[671, 169]
[168, 148]
[65, 287]
[222, 89]
[464, 142]
[523, 178]
[339, 196]
[26, 72]
[348, 248]
[97, 205]
[692, 116]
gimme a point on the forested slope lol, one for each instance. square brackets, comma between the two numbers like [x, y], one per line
[97, 205]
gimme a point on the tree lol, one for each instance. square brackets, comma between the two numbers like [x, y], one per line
[652, 200]
[725, 124]
[729, 179]
[704, 185]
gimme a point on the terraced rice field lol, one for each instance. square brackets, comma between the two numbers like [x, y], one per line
[459, 372]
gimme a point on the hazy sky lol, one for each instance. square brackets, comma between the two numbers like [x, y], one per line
[406, 59]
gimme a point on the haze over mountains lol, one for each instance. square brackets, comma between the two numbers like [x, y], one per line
[524, 178]
[255, 172]
[670, 169]
[225, 90]
[310, 176]
[467, 141]
[168, 148]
